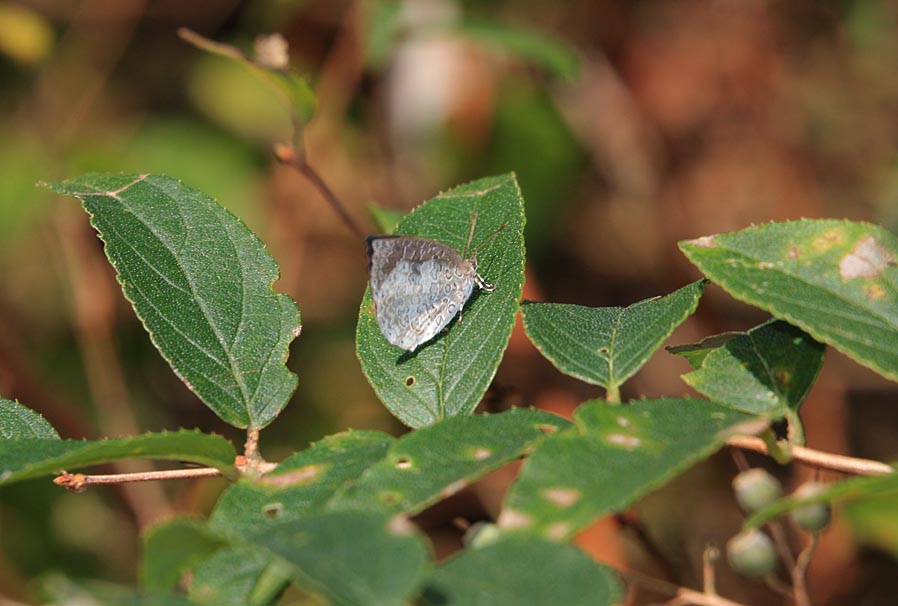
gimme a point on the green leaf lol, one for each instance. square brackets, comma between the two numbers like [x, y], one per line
[606, 345]
[695, 353]
[355, 558]
[200, 282]
[385, 219]
[837, 280]
[448, 375]
[294, 90]
[170, 549]
[628, 450]
[20, 422]
[300, 484]
[21, 459]
[434, 461]
[858, 489]
[873, 516]
[238, 576]
[550, 53]
[768, 369]
[522, 570]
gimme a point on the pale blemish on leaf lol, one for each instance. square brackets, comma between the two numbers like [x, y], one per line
[512, 518]
[623, 421]
[273, 510]
[545, 428]
[867, 260]
[563, 497]
[558, 531]
[399, 526]
[765, 265]
[624, 441]
[704, 242]
[794, 251]
[482, 453]
[303, 475]
[404, 463]
[453, 488]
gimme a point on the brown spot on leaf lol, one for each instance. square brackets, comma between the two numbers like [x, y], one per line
[782, 377]
[410, 381]
[875, 291]
[403, 463]
[866, 260]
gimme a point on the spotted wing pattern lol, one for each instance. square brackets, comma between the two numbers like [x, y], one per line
[418, 286]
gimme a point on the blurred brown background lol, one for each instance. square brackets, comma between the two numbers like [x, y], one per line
[686, 118]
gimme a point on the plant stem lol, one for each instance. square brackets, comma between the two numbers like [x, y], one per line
[816, 458]
[78, 482]
[799, 586]
[612, 395]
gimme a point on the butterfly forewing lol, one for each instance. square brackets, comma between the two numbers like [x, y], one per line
[418, 286]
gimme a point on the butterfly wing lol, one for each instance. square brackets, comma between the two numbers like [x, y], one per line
[418, 286]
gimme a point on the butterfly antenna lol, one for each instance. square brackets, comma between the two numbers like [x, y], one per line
[490, 237]
[471, 234]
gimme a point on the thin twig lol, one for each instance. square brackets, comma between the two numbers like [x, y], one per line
[78, 482]
[818, 458]
[781, 543]
[312, 175]
[799, 572]
[709, 557]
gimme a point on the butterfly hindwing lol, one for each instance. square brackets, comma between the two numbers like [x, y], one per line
[418, 287]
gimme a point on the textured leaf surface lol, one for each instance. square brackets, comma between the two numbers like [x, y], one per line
[170, 548]
[30, 458]
[606, 345]
[628, 451]
[837, 280]
[20, 422]
[354, 558]
[448, 375]
[435, 461]
[522, 570]
[200, 282]
[237, 576]
[770, 368]
[301, 483]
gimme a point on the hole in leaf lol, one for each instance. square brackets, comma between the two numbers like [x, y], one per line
[273, 510]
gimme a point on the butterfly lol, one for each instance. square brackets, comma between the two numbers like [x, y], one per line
[420, 285]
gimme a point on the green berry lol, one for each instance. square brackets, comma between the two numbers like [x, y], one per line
[751, 553]
[812, 516]
[756, 489]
